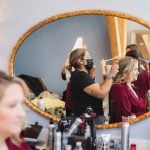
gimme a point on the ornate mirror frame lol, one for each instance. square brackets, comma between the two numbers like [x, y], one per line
[65, 15]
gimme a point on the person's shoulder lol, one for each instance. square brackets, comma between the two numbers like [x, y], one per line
[118, 85]
[119, 88]
[80, 76]
[144, 74]
[79, 73]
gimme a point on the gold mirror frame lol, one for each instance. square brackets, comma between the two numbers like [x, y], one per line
[65, 15]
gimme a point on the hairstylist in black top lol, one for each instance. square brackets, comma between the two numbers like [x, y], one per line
[85, 92]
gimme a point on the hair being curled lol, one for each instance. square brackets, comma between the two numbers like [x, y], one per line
[126, 66]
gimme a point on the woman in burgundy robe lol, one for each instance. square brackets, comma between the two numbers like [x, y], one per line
[127, 100]
[143, 83]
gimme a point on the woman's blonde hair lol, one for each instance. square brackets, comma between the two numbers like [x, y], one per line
[5, 81]
[126, 66]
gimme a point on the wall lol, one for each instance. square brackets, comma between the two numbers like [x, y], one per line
[18, 16]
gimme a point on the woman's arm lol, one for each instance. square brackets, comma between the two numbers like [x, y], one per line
[99, 90]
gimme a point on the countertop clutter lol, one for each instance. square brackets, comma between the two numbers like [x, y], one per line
[36, 136]
[41, 142]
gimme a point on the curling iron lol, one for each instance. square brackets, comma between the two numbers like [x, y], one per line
[115, 57]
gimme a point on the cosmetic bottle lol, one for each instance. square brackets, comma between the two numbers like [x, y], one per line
[125, 131]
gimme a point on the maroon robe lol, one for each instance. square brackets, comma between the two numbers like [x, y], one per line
[125, 102]
[11, 146]
[143, 83]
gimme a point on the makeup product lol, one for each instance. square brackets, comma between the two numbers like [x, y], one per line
[125, 130]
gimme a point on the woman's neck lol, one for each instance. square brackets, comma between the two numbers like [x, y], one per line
[129, 84]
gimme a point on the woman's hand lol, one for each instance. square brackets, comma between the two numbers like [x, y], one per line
[114, 69]
[102, 65]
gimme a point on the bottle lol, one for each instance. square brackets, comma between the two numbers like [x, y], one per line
[68, 147]
[74, 126]
[78, 146]
[125, 131]
[41, 103]
[133, 116]
[64, 140]
[57, 140]
[133, 147]
[50, 142]
[87, 131]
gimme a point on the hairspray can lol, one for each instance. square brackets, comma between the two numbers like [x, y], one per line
[51, 129]
[74, 126]
[57, 140]
[125, 131]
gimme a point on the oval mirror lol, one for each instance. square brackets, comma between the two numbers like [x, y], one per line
[41, 51]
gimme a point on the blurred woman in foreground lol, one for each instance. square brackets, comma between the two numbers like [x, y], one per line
[12, 93]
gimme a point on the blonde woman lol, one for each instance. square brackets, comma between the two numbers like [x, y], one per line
[143, 81]
[127, 100]
[12, 93]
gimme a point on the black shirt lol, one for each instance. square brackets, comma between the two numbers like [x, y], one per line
[78, 81]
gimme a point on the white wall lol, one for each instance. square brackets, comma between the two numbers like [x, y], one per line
[17, 16]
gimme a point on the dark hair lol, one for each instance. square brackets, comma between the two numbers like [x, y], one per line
[134, 54]
[132, 46]
[133, 51]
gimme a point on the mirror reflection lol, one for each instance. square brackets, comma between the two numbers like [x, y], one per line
[41, 56]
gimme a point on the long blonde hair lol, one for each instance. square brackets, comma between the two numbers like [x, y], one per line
[126, 66]
[5, 81]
